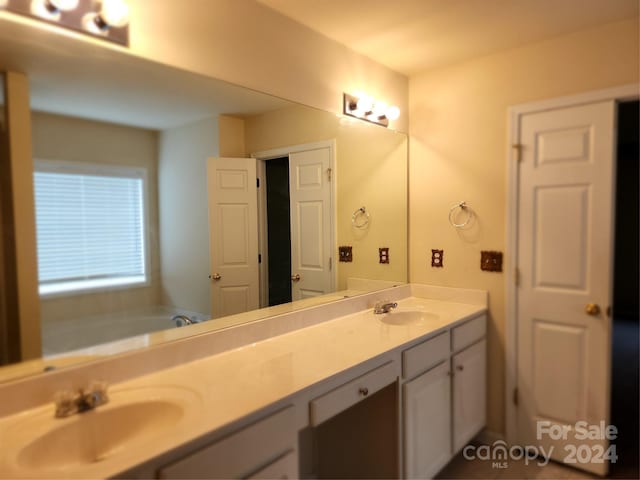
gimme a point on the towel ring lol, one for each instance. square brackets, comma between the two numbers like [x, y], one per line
[462, 206]
[360, 218]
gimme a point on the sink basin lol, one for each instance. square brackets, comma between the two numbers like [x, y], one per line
[49, 446]
[407, 317]
[96, 435]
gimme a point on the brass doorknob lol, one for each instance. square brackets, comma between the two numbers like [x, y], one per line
[215, 276]
[592, 309]
[295, 278]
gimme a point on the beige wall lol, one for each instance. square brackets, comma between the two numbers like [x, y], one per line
[243, 42]
[184, 217]
[458, 152]
[371, 171]
[231, 135]
[57, 137]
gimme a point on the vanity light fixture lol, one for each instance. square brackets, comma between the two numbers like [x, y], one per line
[52, 9]
[112, 14]
[105, 19]
[370, 110]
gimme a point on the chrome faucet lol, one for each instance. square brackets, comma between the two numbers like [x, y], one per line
[69, 403]
[384, 306]
[182, 320]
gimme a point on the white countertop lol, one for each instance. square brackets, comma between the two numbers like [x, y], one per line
[233, 384]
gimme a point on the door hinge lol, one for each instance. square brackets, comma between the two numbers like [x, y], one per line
[516, 276]
[330, 263]
[518, 148]
[515, 397]
[259, 258]
[257, 182]
[328, 174]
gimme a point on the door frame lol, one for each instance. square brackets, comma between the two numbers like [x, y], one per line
[515, 113]
[265, 155]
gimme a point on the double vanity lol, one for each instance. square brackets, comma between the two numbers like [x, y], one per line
[335, 390]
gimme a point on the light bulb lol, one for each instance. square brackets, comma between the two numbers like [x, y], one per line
[64, 5]
[365, 104]
[380, 109]
[393, 112]
[44, 9]
[115, 13]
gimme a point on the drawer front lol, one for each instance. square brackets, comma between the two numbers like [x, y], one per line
[422, 357]
[241, 453]
[284, 468]
[338, 400]
[469, 332]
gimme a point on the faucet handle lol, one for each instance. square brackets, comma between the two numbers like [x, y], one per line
[96, 393]
[66, 402]
[384, 306]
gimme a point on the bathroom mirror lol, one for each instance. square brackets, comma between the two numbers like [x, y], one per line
[132, 140]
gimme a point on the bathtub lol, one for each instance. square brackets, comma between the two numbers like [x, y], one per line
[78, 333]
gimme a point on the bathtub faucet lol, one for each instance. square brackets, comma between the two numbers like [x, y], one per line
[182, 320]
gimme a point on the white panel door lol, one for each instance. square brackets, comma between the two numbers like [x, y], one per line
[564, 260]
[311, 217]
[427, 423]
[233, 226]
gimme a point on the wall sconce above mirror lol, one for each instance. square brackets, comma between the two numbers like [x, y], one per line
[105, 19]
[370, 110]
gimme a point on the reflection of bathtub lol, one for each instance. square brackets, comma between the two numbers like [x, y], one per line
[76, 333]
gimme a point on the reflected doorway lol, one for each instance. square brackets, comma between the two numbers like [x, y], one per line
[278, 214]
[296, 222]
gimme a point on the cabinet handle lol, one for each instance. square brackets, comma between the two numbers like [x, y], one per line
[460, 368]
[364, 391]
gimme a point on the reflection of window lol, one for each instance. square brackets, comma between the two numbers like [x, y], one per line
[90, 226]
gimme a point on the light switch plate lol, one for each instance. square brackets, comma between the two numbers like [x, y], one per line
[491, 261]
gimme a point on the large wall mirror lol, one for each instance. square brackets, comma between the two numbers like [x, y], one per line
[169, 204]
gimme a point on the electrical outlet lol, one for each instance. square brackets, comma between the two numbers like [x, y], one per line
[345, 254]
[384, 254]
[437, 258]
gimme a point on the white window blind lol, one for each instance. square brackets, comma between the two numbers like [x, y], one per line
[90, 226]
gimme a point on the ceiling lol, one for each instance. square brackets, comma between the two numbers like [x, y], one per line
[410, 36]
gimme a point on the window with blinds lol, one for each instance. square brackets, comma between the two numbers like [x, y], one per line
[91, 228]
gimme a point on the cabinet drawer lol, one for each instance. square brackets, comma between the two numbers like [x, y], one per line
[422, 357]
[283, 468]
[241, 453]
[341, 398]
[469, 332]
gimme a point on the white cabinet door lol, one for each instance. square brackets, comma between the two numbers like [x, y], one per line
[427, 422]
[469, 393]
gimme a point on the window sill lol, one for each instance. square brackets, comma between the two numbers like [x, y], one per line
[67, 289]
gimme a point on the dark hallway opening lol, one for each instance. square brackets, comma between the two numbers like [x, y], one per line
[279, 230]
[625, 397]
